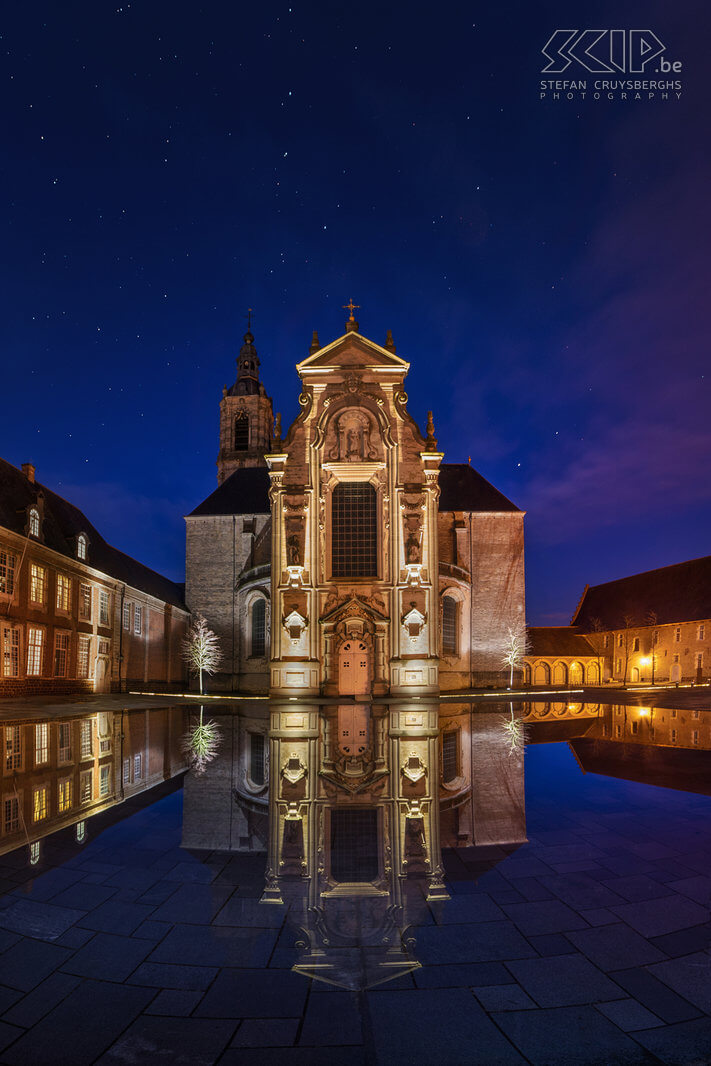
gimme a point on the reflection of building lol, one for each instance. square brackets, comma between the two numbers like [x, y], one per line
[344, 557]
[76, 615]
[561, 656]
[654, 626]
[62, 772]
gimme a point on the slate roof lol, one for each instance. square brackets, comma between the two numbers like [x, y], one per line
[557, 640]
[462, 488]
[246, 491]
[679, 593]
[62, 524]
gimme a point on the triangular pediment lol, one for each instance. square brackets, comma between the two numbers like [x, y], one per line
[353, 351]
[353, 606]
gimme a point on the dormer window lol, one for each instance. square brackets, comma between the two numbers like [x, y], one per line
[34, 522]
[82, 544]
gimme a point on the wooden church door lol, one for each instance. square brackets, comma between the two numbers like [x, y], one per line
[353, 669]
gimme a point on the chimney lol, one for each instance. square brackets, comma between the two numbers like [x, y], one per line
[29, 471]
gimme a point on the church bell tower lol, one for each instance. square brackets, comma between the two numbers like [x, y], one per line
[246, 417]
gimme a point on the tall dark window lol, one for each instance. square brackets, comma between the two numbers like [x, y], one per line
[450, 743]
[449, 626]
[354, 526]
[259, 628]
[256, 758]
[354, 844]
[241, 432]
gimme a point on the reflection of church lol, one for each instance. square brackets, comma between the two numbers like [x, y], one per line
[345, 557]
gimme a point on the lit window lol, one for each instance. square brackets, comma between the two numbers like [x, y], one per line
[241, 432]
[38, 584]
[700, 635]
[449, 626]
[699, 660]
[34, 522]
[354, 530]
[8, 563]
[450, 749]
[104, 647]
[41, 743]
[127, 616]
[64, 741]
[673, 736]
[64, 795]
[83, 656]
[86, 786]
[619, 666]
[10, 651]
[695, 737]
[126, 772]
[80, 831]
[618, 731]
[81, 546]
[257, 751]
[635, 727]
[61, 654]
[104, 780]
[619, 640]
[695, 713]
[138, 619]
[35, 650]
[677, 635]
[137, 767]
[674, 714]
[40, 803]
[13, 747]
[103, 607]
[11, 814]
[64, 593]
[259, 628]
[35, 852]
[85, 602]
[606, 640]
[87, 740]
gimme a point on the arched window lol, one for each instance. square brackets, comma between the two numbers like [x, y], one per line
[354, 530]
[449, 626]
[81, 546]
[241, 432]
[259, 628]
[34, 522]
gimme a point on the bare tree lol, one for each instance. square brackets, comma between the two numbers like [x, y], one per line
[597, 639]
[201, 649]
[651, 620]
[628, 621]
[516, 646]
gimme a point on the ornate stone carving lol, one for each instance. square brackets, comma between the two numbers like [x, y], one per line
[294, 769]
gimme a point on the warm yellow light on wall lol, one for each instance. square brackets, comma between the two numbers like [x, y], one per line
[645, 661]
[643, 712]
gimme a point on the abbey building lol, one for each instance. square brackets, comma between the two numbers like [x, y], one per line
[344, 556]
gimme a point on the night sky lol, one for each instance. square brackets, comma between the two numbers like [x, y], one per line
[543, 265]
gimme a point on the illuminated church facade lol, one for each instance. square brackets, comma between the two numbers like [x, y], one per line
[344, 556]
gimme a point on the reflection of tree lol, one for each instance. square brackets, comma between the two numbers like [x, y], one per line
[201, 743]
[513, 729]
[516, 646]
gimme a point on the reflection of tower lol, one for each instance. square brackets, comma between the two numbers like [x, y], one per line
[354, 834]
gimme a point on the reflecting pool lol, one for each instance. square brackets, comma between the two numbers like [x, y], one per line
[433, 882]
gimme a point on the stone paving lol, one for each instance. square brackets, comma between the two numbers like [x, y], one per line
[588, 945]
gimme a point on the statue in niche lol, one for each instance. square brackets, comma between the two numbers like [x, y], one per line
[354, 448]
[412, 548]
[352, 433]
[292, 550]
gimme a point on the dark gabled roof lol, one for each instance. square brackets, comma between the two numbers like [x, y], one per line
[679, 593]
[557, 640]
[686, 769]
[462, 488]
[246, 491]
[62, 524]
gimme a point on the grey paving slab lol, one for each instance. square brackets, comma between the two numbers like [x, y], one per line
[571, 1036]
[629, 1015]
[697, 888]
[107, 957]
[653, 917]
[598, 916]
[29, 961]
[470, 975]
[75, 937]
[546, 916]
[684, 1044]
[8, 1034]
[179, 1041]
[637, 887]
[504, 997]
[151, 930]
[685, 941]
[33, 918]
[254, 994]
[407, 1027]
[116, 916]
[83, 896]
[81, 1027]
[7, 939]
[264, 1033]
[297, 1056]
[196, 904]
[552, 944]
[175, 1002]
[168, 975]
[216, 946]
[563, 980]
[41, 1000]
[615, 947]
[191, 872]
[332, 1020]
[655, 995]
[690, 977]
[243, 911]
[474, 908]
[580, 891]
[50, 883]
[483, 942]
[8, 997]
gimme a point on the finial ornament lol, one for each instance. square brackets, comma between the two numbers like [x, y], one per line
[250, 312]
[315, 343]
[389, 342]
[277, 428]
[351, 324]
[431, 445]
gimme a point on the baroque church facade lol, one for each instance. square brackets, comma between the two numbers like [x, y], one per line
[344, 557]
